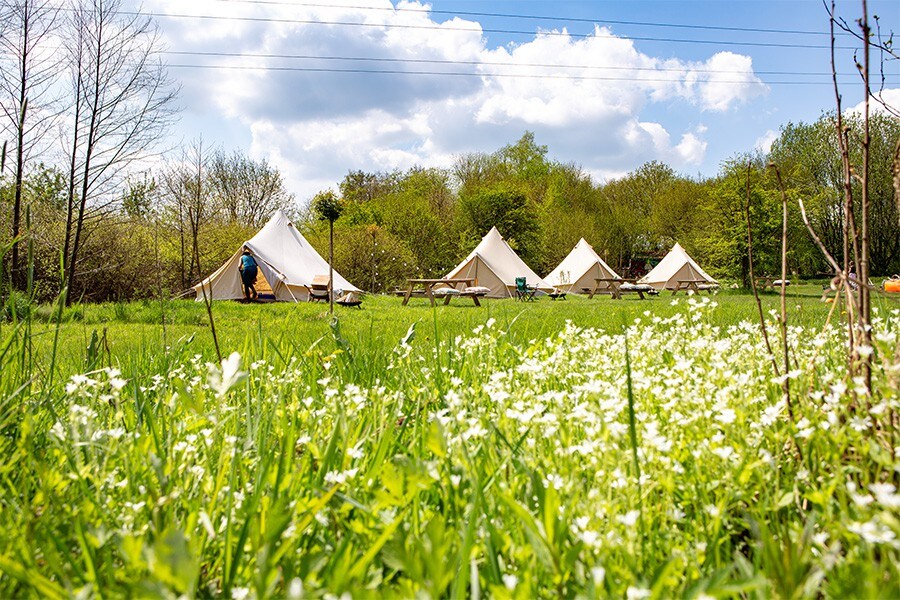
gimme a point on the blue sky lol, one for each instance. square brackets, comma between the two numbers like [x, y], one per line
[606, 85]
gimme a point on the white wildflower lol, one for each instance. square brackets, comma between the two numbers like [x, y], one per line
[240, 593]
[295, 589]
[872, 532]
[629, 518]
[224, 379]
[886, 494]
[636, 593]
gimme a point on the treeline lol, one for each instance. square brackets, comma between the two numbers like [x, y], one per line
[424, 221]
[82, 89]
[180, 222]
[165, 231]
[85, 101]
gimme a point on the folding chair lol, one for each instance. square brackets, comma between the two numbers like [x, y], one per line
[524, 292]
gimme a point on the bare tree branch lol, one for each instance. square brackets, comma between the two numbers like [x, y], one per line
[128, 103]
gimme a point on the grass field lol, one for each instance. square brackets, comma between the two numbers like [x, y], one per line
[550, 449]
[378, 326]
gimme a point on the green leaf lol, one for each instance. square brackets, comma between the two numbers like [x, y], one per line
[435, 441]
[172, 561]
[786, 500]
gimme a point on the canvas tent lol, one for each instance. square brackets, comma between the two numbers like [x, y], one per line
[287, 265]
[495, 265]
[579, 269]
[676, 266]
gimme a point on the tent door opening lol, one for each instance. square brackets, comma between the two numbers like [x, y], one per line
[264, 291]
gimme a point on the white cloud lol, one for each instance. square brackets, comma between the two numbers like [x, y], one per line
[729, 80]
[690, 150]
[764, 143]
[889, 97]
[582, 96]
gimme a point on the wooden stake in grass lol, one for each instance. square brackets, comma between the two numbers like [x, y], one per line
[328, 207]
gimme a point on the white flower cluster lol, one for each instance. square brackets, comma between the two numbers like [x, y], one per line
[678, 435]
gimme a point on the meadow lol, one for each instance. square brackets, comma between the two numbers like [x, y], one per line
[575, 448]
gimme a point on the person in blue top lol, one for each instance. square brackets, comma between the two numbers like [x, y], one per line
[248, 269]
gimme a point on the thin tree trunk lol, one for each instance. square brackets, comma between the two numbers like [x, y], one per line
[17, 202]
[331, 267]
[20, 150]
[70, 197]
[864, 295]
[88, 155]
[786, 386]
[184, 279]
[195, 216]
[849, 223]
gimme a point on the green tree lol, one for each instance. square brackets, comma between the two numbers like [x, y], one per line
[629, 208]
[140, 196]
[525, 164]
[720, 239]
[571, 210]
[359, 187]
[505, 207]
[809, 157]
[368, 255]
[422, 208]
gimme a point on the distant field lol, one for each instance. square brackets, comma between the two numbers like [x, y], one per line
[381, 322]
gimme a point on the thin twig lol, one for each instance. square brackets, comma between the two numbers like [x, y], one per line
[762, 318]
[849, 223]
[786, 383]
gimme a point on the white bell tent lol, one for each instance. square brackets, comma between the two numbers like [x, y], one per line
[493, 264]
[287, 265]
[579, 269]
[676, 266]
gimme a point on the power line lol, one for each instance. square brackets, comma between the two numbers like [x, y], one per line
[484, 30]
[535, 17]
[486, 63]
[488, 75]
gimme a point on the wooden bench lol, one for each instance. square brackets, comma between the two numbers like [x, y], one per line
[465, 294]
[318, 289]
[693, 285]
[613, 287]
[607, 285]
[768, 282]
[425, 287]
[764, 282]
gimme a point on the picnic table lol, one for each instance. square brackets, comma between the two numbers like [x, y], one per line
[766, 282]
[613, 287]
[425, 287]
[769, 282]
[694, 285]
